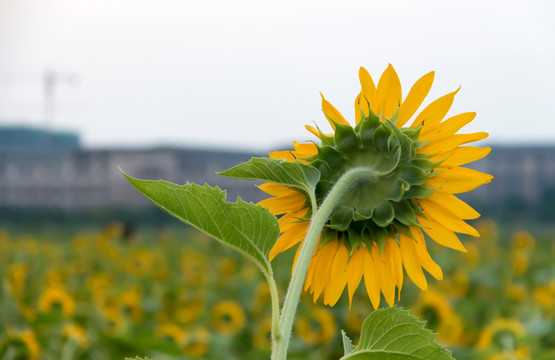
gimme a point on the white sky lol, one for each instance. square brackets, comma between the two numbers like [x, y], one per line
[248, 73]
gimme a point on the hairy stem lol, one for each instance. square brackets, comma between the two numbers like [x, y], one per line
[319, 218]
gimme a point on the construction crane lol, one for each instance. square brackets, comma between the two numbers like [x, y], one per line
[51, 79]
[49, 82]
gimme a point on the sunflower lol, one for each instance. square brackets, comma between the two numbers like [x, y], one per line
[170, 331]
[262, 337]
[436, 310]
[56, 296]
[318, 328]
[500, 327]
[228, 318]
[379, 227]
[28, 339]
[197, 342]
[75, 333]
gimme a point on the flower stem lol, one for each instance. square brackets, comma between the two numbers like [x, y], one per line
[276, 332]
[319, 218]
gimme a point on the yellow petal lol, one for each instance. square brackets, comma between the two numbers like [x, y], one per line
[371, 281]
[291, 218]
[385, 277]
[368, 90]
[440, 234]
[338, 276]
[458, 180]
[282, 154]
[311, 266]
[423, 255]
[290, 238]
[313, 130]
[411, 261]
[277, 189]
[446, 217]
[391, 251]
[332, 113]
[361, 103]
[449, 202]
[460, 156]
[323, 269]
[436, 111]
[451, 143]
[448, 127]
[283, 204]
[304, 149]
[389, 93]
[355, 269]
[414, 99]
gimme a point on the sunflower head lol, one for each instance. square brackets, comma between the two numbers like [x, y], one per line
[383, 204]
[378, 227]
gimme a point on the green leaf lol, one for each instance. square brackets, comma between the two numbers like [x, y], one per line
[342, 217]
[288, 173]
[246, 227]
[347, 343]
[395, 334]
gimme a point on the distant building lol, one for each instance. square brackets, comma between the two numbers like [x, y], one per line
[520, 172]
[49, 169]
[22, 139]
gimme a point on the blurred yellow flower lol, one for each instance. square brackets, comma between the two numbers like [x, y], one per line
[194, 266]
[98, 284]
[113, 230]
[56, 296]
[28, 338]
[139, 263]
[520, 262]
[516, 292]
[228, 318]
[228, 267]
[472, 255]
[130, 304]
[76, 333]
[317, 327]
[545, 297]
[171, 331]
[262, 336]
[456, 285]
[16, 276]
[520, 353]
[197, 342]
[523, 240]
[379, 227]
[498, 326]
[488, 230]
[188, 311]
[436, 310]
[81, 242]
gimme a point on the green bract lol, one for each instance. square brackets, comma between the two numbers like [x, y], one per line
[382, 204]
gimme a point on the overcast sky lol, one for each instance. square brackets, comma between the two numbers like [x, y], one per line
[248, 73]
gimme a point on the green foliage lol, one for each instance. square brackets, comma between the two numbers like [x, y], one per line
[347, 343]
[395, 334]
[246, 227]
[292, 174]
[137, 358]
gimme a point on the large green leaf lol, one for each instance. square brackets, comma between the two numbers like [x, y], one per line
[292, 174]
[395, 334]
[347, 343]
[246, 227]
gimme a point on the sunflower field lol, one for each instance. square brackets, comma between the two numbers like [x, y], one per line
[176, 294]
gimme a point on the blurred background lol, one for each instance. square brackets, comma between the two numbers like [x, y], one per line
[178, 90]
